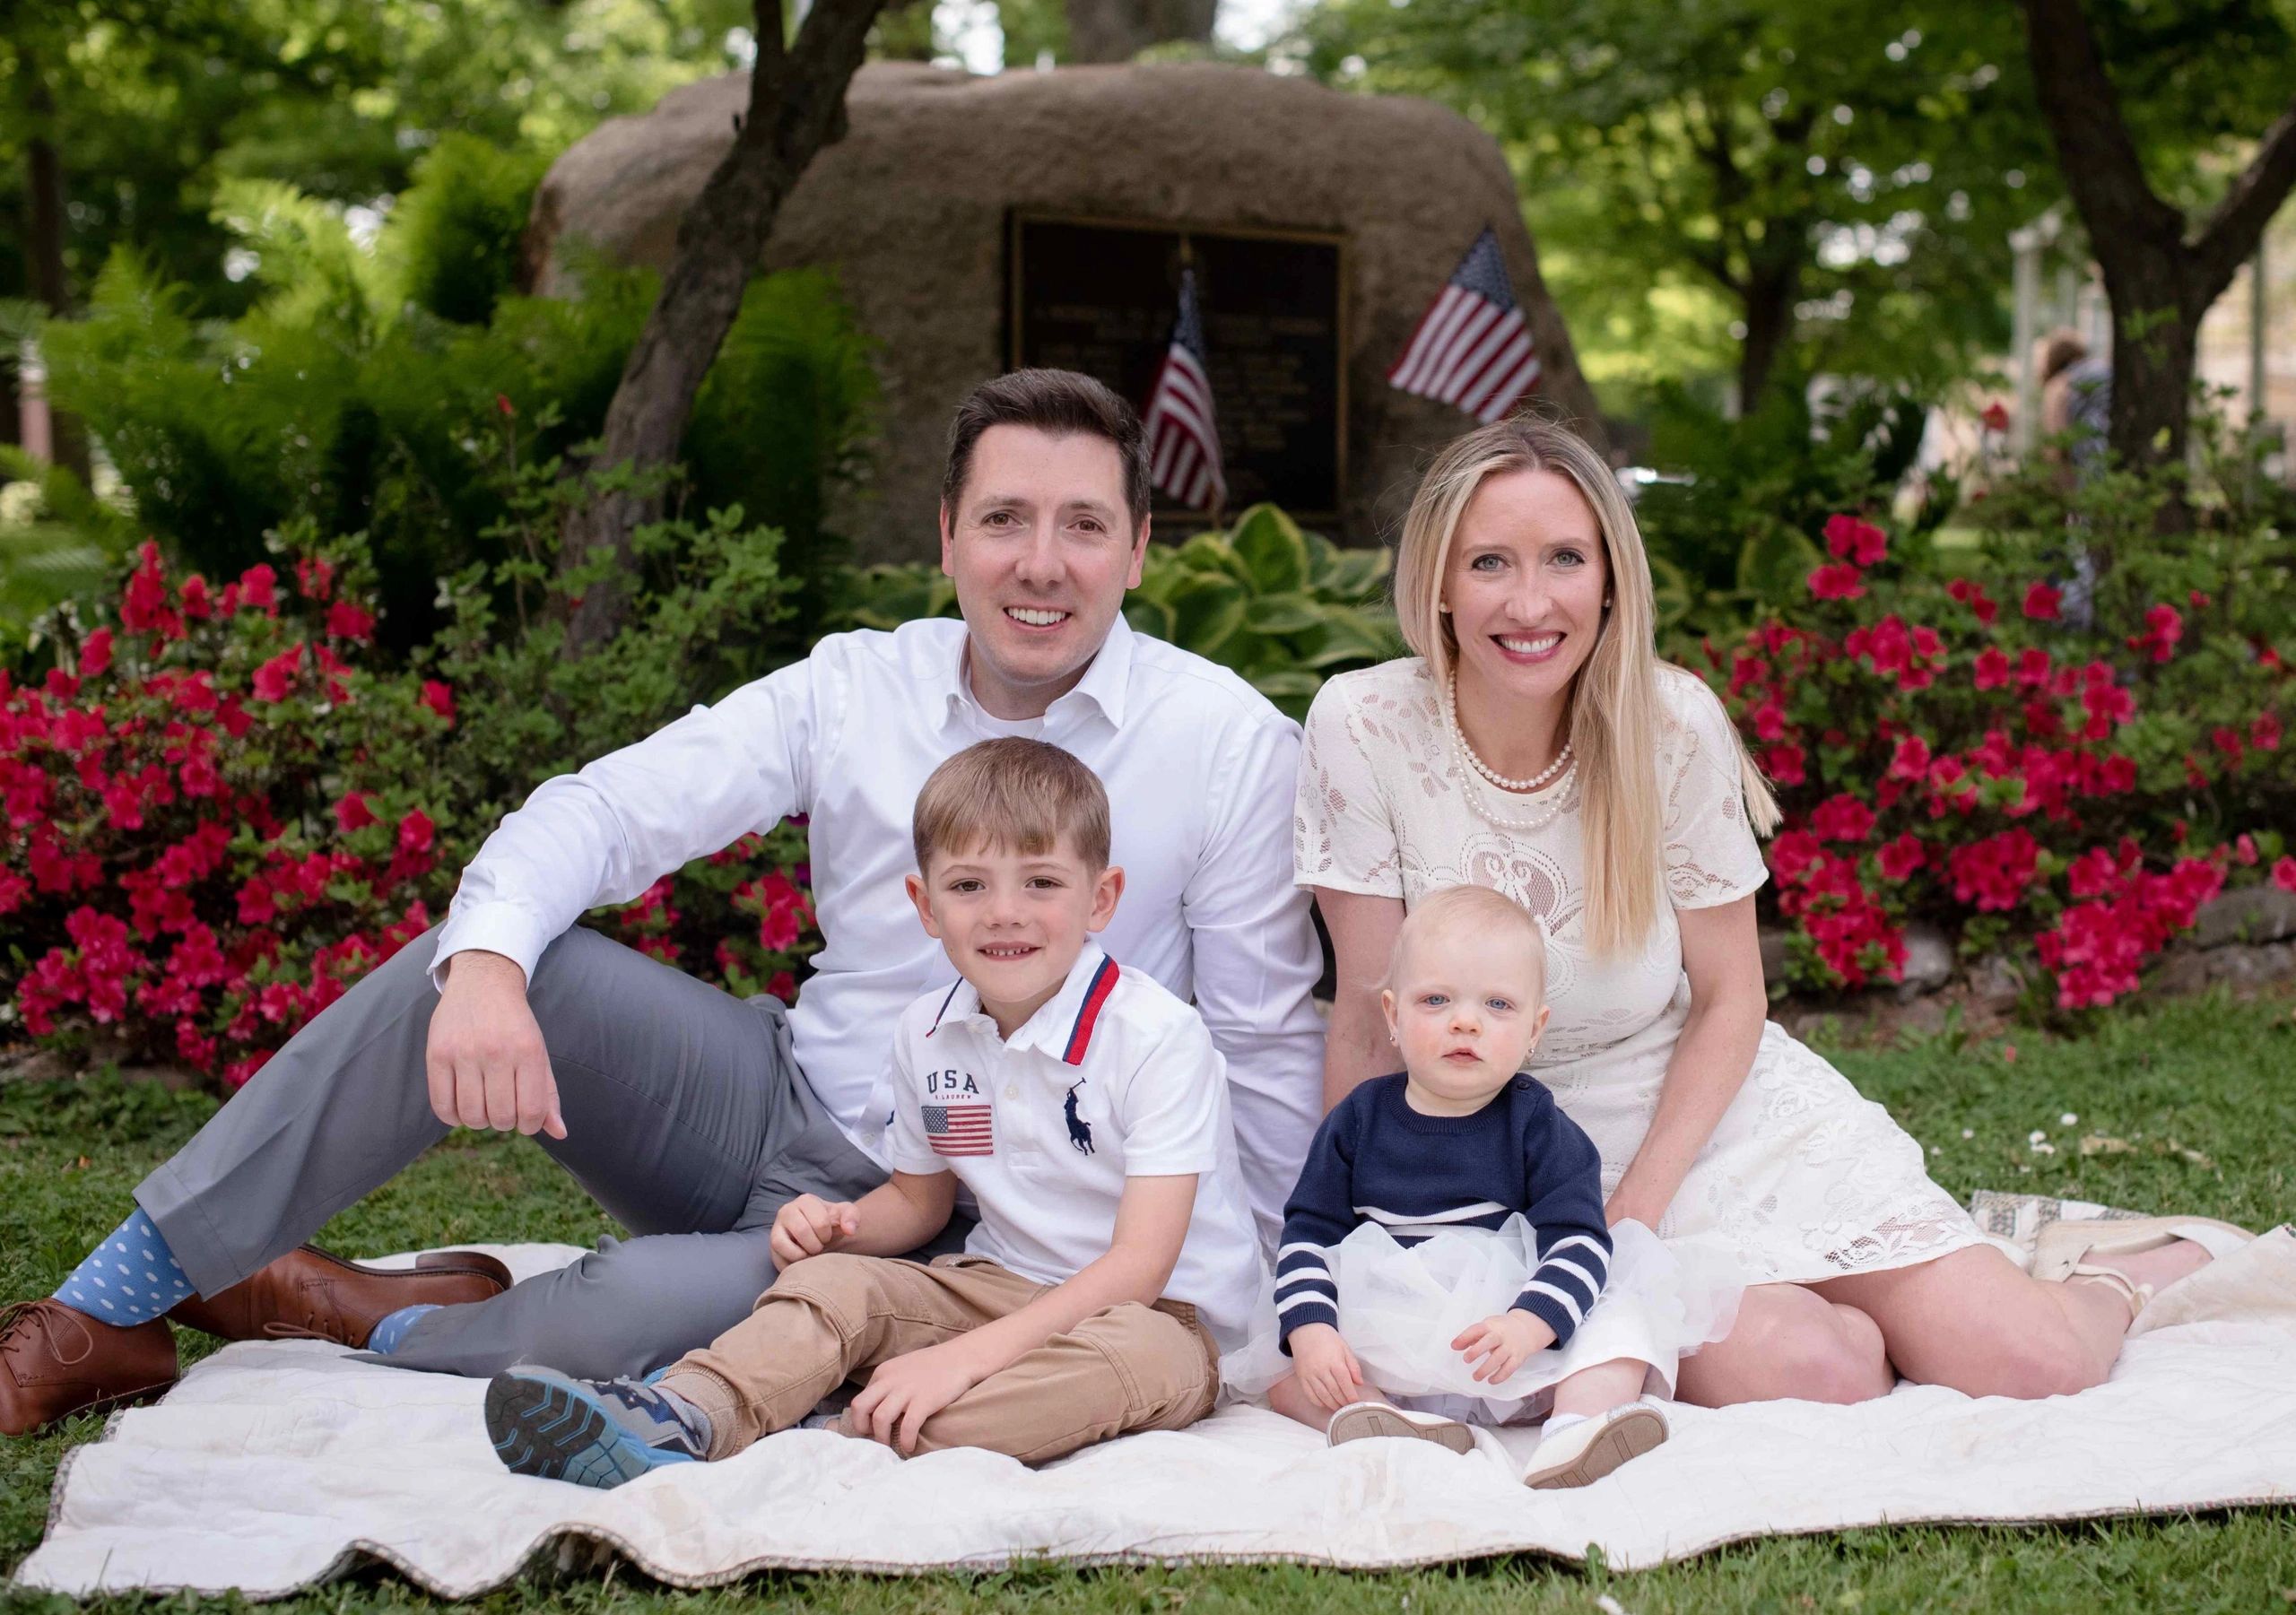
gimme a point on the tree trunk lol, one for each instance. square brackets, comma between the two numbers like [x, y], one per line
[1769, 295]
[2159, 280]
[44, 179]
[1117, 30]
[797, 106]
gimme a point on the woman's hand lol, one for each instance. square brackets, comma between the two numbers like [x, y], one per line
[1498, 1346]
[1327, 1369]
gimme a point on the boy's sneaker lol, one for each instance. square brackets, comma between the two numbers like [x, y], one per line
[1362, 1420]
[593, 1432]
[1590, 1449]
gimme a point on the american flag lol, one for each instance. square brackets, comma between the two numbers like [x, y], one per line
[960, 1130]
[1472, 348]
[1183, 437]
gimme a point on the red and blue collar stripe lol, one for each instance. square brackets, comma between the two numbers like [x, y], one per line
[944, 1009]
[1080, 1035]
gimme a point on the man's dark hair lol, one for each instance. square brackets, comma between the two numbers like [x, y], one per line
[1059, 402]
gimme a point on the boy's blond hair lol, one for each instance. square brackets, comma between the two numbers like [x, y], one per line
[1479, 909]
[1017, 794]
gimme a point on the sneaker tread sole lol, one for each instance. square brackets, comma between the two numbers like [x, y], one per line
[546, 1430]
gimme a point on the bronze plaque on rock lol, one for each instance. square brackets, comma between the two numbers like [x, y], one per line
[1100, 296]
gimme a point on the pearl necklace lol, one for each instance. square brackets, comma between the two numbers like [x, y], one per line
[1451, 718]
[1545, 815]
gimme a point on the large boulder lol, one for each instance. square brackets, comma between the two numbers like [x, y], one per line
[911, 209]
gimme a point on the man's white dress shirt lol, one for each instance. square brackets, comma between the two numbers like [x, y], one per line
[1113, 1078]
[1200, 773]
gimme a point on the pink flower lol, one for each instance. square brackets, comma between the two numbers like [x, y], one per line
[345, 620]
[353, 812]
[1838, 582]
[273, 680]
[1901, 857]
[2283, 873]
[1787, 764]
[259, 589]
[438, 697]
[2264, 734]
[1851, 539]
[315, 577]
[95, 654]
[1842, 818]
[1992, 668]
[414, 832]
[144, 604]
[2164, 625]
[1912, 759]
[2041, 602]
[1792, 853]
[1996, 416]
[1994, 873]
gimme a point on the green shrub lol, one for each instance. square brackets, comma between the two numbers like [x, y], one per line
[1733, 536]
[351, 395]
[461, 225]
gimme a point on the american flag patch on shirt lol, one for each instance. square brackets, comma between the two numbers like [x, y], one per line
[960, 1130]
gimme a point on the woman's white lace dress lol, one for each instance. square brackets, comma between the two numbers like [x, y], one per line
[1803, 1179]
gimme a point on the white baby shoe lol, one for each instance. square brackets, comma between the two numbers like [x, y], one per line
[1585, 1452]
[1360, 1420]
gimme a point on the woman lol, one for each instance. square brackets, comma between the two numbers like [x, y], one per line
[1536, 746]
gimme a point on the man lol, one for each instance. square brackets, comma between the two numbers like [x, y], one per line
[690, 1116]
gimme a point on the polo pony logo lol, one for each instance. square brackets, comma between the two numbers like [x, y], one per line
[1080, 1131]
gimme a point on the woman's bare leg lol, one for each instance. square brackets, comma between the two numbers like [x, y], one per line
[1974, 1321]
[1789, 1343]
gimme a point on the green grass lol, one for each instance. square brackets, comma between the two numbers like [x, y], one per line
[2202, 1092]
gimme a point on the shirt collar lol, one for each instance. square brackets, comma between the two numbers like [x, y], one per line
[1106, 679]
[1064, 1025]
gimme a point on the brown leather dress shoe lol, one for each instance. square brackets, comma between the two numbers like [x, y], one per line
[55, 1362]
[311, 1295]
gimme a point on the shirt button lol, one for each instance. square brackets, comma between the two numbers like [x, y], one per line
[1011, 1092]
[1524, 1083]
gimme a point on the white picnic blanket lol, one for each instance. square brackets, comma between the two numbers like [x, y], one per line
[273, 1466]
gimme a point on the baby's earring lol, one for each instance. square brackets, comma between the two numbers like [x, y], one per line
[1444, 606]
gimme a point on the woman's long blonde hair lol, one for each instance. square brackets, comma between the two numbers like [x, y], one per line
[1612, 715]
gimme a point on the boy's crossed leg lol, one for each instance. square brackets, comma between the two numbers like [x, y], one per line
[836, 1316]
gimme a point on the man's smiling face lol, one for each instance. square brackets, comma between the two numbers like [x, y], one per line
[1041, 549]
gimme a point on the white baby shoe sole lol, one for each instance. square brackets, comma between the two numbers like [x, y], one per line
[1585, 1452]
[1364, 1420]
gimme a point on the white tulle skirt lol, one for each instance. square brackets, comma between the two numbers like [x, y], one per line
[1400, 1308]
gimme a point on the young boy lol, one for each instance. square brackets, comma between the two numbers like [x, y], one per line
[1085, 1109]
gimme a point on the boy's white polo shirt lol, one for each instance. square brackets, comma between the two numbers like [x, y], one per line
[1113, 1078]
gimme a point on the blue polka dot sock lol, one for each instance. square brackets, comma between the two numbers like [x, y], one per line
[131, 1278]
[393, 1328]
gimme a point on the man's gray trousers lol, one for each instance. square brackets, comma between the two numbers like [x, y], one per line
[687, 1120]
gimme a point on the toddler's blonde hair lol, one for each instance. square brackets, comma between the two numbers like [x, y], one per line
[1480, 909]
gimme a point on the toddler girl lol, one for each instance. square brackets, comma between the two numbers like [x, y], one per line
[1446, 1246]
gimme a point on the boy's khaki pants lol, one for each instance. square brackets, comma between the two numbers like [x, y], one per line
[838, 1317]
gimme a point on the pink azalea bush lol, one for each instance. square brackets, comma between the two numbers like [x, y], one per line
[218, 812]
[211, 826]
[1988, 767]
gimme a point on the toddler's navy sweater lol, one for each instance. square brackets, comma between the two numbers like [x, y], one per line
[1377, 1160]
